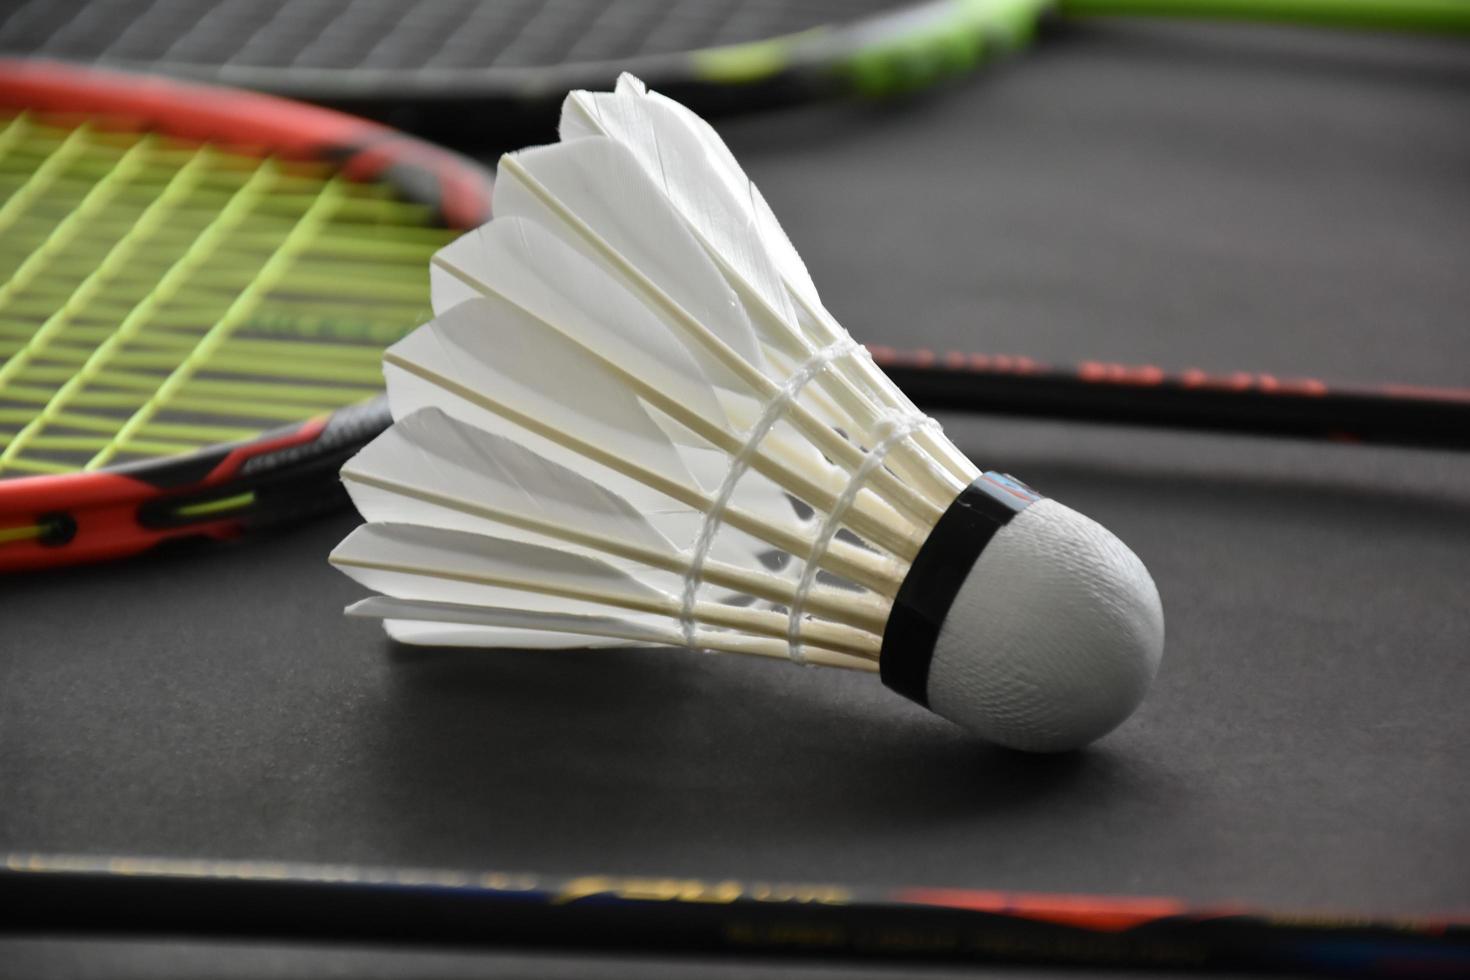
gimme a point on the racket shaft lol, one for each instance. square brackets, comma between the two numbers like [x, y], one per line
[137, 897]
[1256, 404]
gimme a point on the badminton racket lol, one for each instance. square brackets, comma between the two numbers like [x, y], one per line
[54, 895]
[435, 62]
[195, 289]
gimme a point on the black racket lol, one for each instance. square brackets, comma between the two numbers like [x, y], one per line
[431, 61]
[51, 895]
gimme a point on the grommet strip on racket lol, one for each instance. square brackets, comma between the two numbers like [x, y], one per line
[195, 287]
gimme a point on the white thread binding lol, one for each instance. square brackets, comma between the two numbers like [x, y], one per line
[773, 412]
[896, 427]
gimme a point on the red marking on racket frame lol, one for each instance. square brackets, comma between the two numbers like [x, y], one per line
[1100, 914]
[236, 457]
[1125, 374]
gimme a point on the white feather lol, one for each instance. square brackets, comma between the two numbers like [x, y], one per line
[700, 178]
[596, 198]
[437, 634]
[484, 361]
[428, 564]
[694, 168]
[410, 561]
[432, 470]
[429, 456]
[457, 624]
[594, 195]
[728, 214]
[598, 186]
[453, 624]
[525, 265]
[528, 267]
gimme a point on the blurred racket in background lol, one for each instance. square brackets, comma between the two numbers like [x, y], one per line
[428, 62]
[425, 63]
[195, 289]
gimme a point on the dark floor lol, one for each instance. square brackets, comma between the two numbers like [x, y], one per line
[1223, 198]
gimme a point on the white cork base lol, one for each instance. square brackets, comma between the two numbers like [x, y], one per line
[1054, 636]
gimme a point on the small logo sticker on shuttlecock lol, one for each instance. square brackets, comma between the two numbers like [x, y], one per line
[1007, 489]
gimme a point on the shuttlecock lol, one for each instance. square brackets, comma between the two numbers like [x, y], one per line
[632, 422]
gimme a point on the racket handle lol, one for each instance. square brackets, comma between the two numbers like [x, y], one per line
[1255, 404]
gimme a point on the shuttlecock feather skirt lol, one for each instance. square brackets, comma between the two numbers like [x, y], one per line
[632, 421]
[742, 475]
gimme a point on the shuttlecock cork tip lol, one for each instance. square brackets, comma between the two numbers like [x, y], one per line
[1024, 622]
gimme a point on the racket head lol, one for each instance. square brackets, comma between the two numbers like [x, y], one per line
[169, 373]
[382, 56]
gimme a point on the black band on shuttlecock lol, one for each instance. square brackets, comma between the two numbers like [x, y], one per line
[934, 579]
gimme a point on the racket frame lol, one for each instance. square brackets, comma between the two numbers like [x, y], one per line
[118, 896]
[909, 47]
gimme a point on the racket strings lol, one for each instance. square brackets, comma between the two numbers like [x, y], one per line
[390, 35]
[157, 297]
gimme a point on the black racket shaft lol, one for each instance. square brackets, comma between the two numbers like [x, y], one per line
[1254, 404]
[132, 897]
